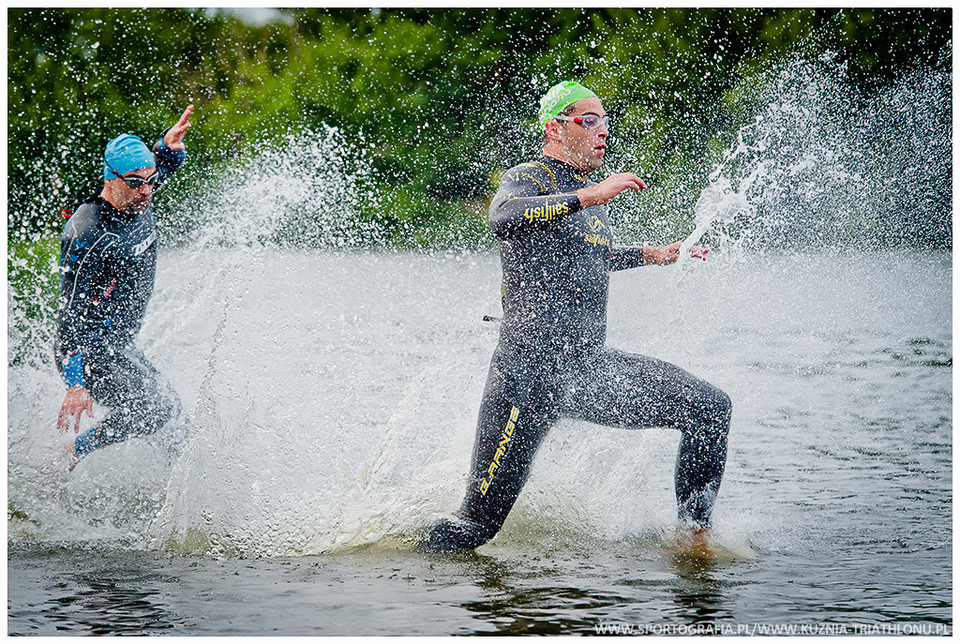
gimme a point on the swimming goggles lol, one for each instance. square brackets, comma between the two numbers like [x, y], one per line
[135, 182]
[588, 121]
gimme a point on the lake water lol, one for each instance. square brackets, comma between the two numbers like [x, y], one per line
[332, 399]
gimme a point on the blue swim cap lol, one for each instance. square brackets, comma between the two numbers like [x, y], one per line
[124, 154]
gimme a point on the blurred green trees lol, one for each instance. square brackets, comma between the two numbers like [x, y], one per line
[439, 100]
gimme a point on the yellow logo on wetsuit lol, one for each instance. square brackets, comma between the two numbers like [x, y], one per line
[597, 240]
[501, 450]
[546, 212]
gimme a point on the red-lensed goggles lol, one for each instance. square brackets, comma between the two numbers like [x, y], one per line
[588, 121]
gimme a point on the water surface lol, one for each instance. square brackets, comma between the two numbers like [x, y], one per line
[333, 398]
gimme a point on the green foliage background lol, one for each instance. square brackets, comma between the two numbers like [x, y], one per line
[439, 99]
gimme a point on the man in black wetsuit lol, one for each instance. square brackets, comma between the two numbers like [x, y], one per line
[108, 257]
[556, 247]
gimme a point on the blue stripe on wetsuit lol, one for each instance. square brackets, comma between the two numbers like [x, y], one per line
[73, 371]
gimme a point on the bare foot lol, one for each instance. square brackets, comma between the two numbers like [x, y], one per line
[694, 543]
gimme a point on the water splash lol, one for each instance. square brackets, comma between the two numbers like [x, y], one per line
[308, 188]
[816, 164]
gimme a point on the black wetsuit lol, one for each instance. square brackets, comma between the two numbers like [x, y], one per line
[551, 361]
[108, 262]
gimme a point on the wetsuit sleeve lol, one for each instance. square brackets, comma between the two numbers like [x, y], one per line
[524, 204]
[168, 161]
[624, 257]
[83, 286]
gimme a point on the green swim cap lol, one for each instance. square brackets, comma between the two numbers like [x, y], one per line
[560, 97]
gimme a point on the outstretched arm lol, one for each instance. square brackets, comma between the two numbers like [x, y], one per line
[664, 255]
[609, 188]
[170, 151]
[522, 204]
[624, 257]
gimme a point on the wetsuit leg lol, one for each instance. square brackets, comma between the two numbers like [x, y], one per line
[634, 391]
[508, 435]
[141, 400]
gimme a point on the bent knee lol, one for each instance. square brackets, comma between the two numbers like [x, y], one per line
[710, 409]
[720, 404]
[719, 411]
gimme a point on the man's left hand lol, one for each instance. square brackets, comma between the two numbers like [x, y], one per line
[174, 136]
[664, 255]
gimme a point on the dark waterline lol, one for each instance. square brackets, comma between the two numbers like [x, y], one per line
[109, 590]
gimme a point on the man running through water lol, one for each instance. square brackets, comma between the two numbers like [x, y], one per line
[556, 248]
[108, 258]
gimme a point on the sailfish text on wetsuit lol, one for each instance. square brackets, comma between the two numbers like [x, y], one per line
[547, 212]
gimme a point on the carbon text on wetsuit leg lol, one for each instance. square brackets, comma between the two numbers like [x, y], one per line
[501, 450]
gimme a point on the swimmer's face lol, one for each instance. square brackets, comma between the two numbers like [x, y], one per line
[132, 200]
[582, 147]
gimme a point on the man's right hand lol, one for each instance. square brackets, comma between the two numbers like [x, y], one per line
[76, 402]
[174, 136]
[609, 188]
